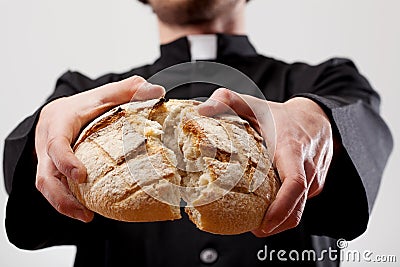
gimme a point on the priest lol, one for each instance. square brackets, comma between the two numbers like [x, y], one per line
[331, 149]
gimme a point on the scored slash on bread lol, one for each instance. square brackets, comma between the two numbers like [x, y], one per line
[144, 158]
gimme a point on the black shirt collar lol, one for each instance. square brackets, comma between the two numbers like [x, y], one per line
[228, 46]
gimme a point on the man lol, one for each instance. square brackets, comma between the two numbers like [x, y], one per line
[328, 158]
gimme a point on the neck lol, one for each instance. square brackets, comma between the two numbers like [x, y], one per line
[227, 24]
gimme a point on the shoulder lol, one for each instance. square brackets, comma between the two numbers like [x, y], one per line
[335, 63]
[302, 66]
[80, 82]
[299, 69]
[334, 71]
[302, 77]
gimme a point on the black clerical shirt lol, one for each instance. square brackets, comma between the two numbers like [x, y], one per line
[340, 211]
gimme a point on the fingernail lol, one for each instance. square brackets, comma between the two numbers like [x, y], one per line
[268, 229]
[146, 85]
[211, 102]
[149, 91]
[80, 215]
[83, 215]
[202, 110]
[207, 108]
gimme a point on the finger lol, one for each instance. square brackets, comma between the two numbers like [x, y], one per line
[60, 152]
[289, 163]
[287, 199]
[312, 177]
[316, 185]
[317, 168]
[256, 111]
[112, 94]
[292, 221]
[295, 217]
[148, 91]
[222, 100]
[318, 181]
[58, 194]
[125, 90]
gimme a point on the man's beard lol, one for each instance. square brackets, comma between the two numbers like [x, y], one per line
[191, 12]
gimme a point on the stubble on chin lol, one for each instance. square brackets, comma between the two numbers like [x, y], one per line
[190, 12]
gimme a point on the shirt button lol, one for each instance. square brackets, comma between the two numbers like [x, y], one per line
[208, 255]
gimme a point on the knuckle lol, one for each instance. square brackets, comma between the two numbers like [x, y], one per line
[98, 102]
[45, 110]
[51, 144]
[295, 219]
[48, 107]
[44, 113]
[135, 82]
[300, 181]
[53, 105]
[62, 206]
[40, 182]
[137, 79]
[222, 90]
[60, 161]
[101, 101]
[64, 167]
[223, 93]
[279, 217]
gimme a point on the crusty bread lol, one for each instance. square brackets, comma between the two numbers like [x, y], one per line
[144, 159]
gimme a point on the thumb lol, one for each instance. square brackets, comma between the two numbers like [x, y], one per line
[224, 100]
[113, 94]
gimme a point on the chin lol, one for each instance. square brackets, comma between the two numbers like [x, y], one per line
[187, 12]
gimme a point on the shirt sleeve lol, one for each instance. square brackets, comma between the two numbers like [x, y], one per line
[19, 139]
[31, 222]
[364, 145]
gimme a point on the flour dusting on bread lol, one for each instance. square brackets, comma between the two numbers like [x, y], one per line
[144, 158]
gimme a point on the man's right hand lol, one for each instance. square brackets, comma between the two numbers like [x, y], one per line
[59, 124]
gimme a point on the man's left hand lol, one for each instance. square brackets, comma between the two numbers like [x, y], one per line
[304, 148]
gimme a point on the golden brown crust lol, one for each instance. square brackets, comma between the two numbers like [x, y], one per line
[234, 213]
[137, 155]
[111, 189]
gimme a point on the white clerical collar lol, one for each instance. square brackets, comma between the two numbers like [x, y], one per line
[203, 46]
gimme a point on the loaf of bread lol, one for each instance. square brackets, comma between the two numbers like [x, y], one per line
[146, 159]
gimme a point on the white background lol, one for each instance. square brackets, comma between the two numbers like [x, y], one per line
[41, 39]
